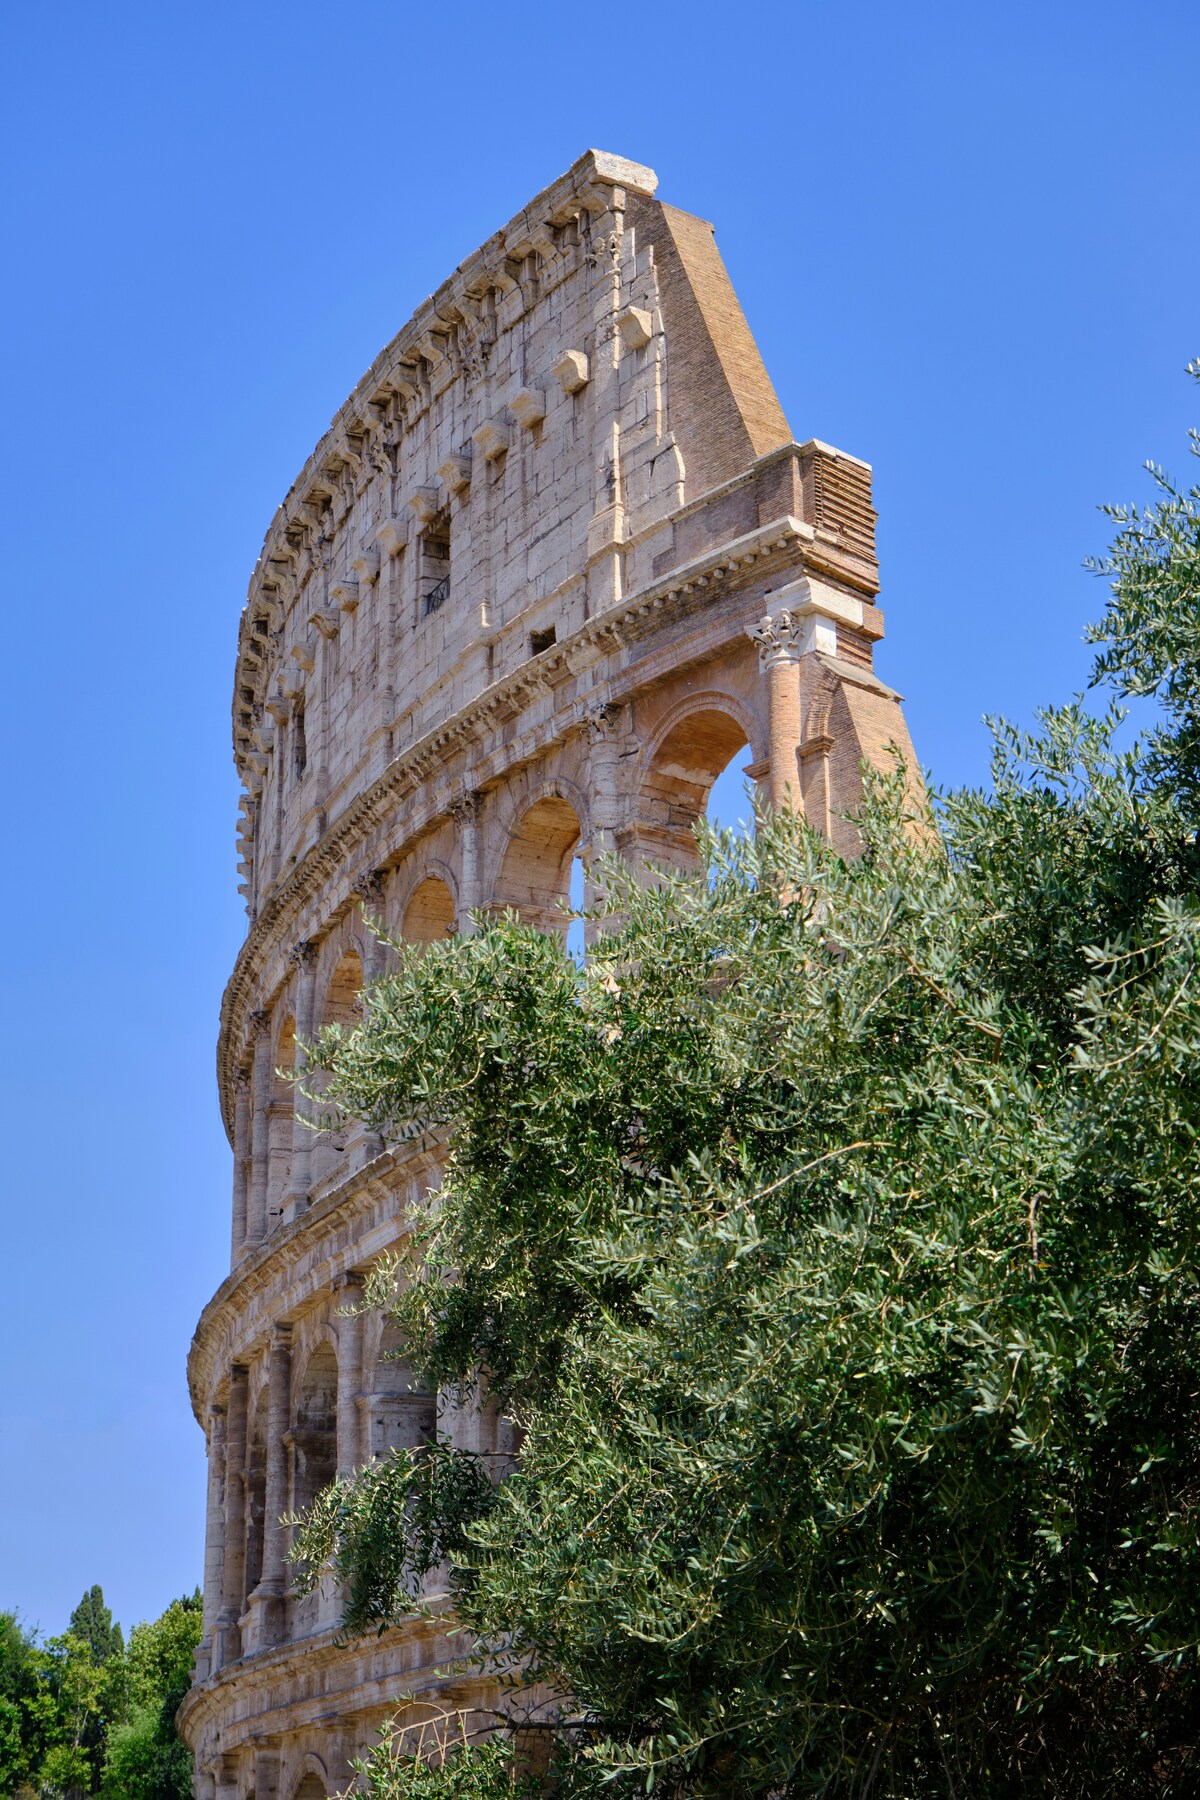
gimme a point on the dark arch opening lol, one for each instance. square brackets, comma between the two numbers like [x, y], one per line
[429, 915]
[536, 872]
[681, 777]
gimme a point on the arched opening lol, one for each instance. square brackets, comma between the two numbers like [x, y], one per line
[536, 872]
[280, 1109]
[341, 1008]
[341, 998]
[403, 1413]
[314, 1430]
[730, 806]
[256, 1492]
[311, 1788]
[429, 915]
[678, 784]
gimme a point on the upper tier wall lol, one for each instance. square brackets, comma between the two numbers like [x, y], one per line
[508, 468]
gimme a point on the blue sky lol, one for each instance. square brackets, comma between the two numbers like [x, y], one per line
[964, 236]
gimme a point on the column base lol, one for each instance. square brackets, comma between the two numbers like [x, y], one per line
[263, 1619]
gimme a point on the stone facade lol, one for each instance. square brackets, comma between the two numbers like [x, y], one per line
[555, 563]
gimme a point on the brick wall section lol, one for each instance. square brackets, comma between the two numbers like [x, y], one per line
[723, 409]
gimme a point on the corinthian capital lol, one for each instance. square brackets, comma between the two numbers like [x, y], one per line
[778, 636]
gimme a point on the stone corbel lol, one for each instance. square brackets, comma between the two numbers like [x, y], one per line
[490, 439]
[528, 407]
[571, 371]
[456, 472]
[391, 537]
[366, 567]
[636, 327]
[425, 501]
[305, 654]
[345, 594]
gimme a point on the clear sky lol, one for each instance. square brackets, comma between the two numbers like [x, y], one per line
[965, 237]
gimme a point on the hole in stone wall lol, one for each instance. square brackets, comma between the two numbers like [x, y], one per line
[576, 930]
[429, 915]
[542, 640]
[536, 872]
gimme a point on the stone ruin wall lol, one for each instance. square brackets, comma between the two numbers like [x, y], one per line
[555, 563]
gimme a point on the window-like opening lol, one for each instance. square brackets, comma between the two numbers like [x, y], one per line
[299, 742]
[429, 915]
[536, 873]
[681, 779]
[576, 930]
[435, 563]
[311, 1788]
[314, 1434]
[542, 640]
[730, 805]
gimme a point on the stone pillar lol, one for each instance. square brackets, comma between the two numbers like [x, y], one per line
[349, 1450]
[606, 529]
[260, 1125]
[779, 636]
[273, 1586]
[601, 730]
[225, 1774]
[304, 956]
[467, 813]
[241, 1161]
[214, 1541]
[233, 1572]
[266, 1775]
[371, 896]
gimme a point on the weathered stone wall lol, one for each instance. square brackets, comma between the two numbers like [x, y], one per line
[555, 563]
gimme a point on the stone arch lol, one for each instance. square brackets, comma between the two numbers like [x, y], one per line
[340, 1003]
[401, 1413]
[544, 836]
[314, 1425]
[430, 910]
[694, 743]
[310, 1786]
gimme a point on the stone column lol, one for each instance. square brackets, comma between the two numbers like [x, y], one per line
[778, 636]
[233, 1572]
[241, 1161]
[273, 1586]
[266, 1775]
[349, 1453]
[260, 1142]
[601, 730]
[371, 896]
[225, 1773]
[214, 1540]
[304, 956]
[467, 813]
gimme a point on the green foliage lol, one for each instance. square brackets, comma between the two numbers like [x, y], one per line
[465, 1772]
[146, 1759]
[832, 1237]
[93, 1622]
[66, 1724]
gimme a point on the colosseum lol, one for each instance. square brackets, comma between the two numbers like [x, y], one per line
[556, 562]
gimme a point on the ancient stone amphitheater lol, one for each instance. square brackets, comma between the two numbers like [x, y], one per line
[555, 563]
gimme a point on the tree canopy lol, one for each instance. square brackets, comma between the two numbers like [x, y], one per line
[80, 1714]
[831, 1236]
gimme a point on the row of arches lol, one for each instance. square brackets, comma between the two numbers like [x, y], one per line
[535, 863]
